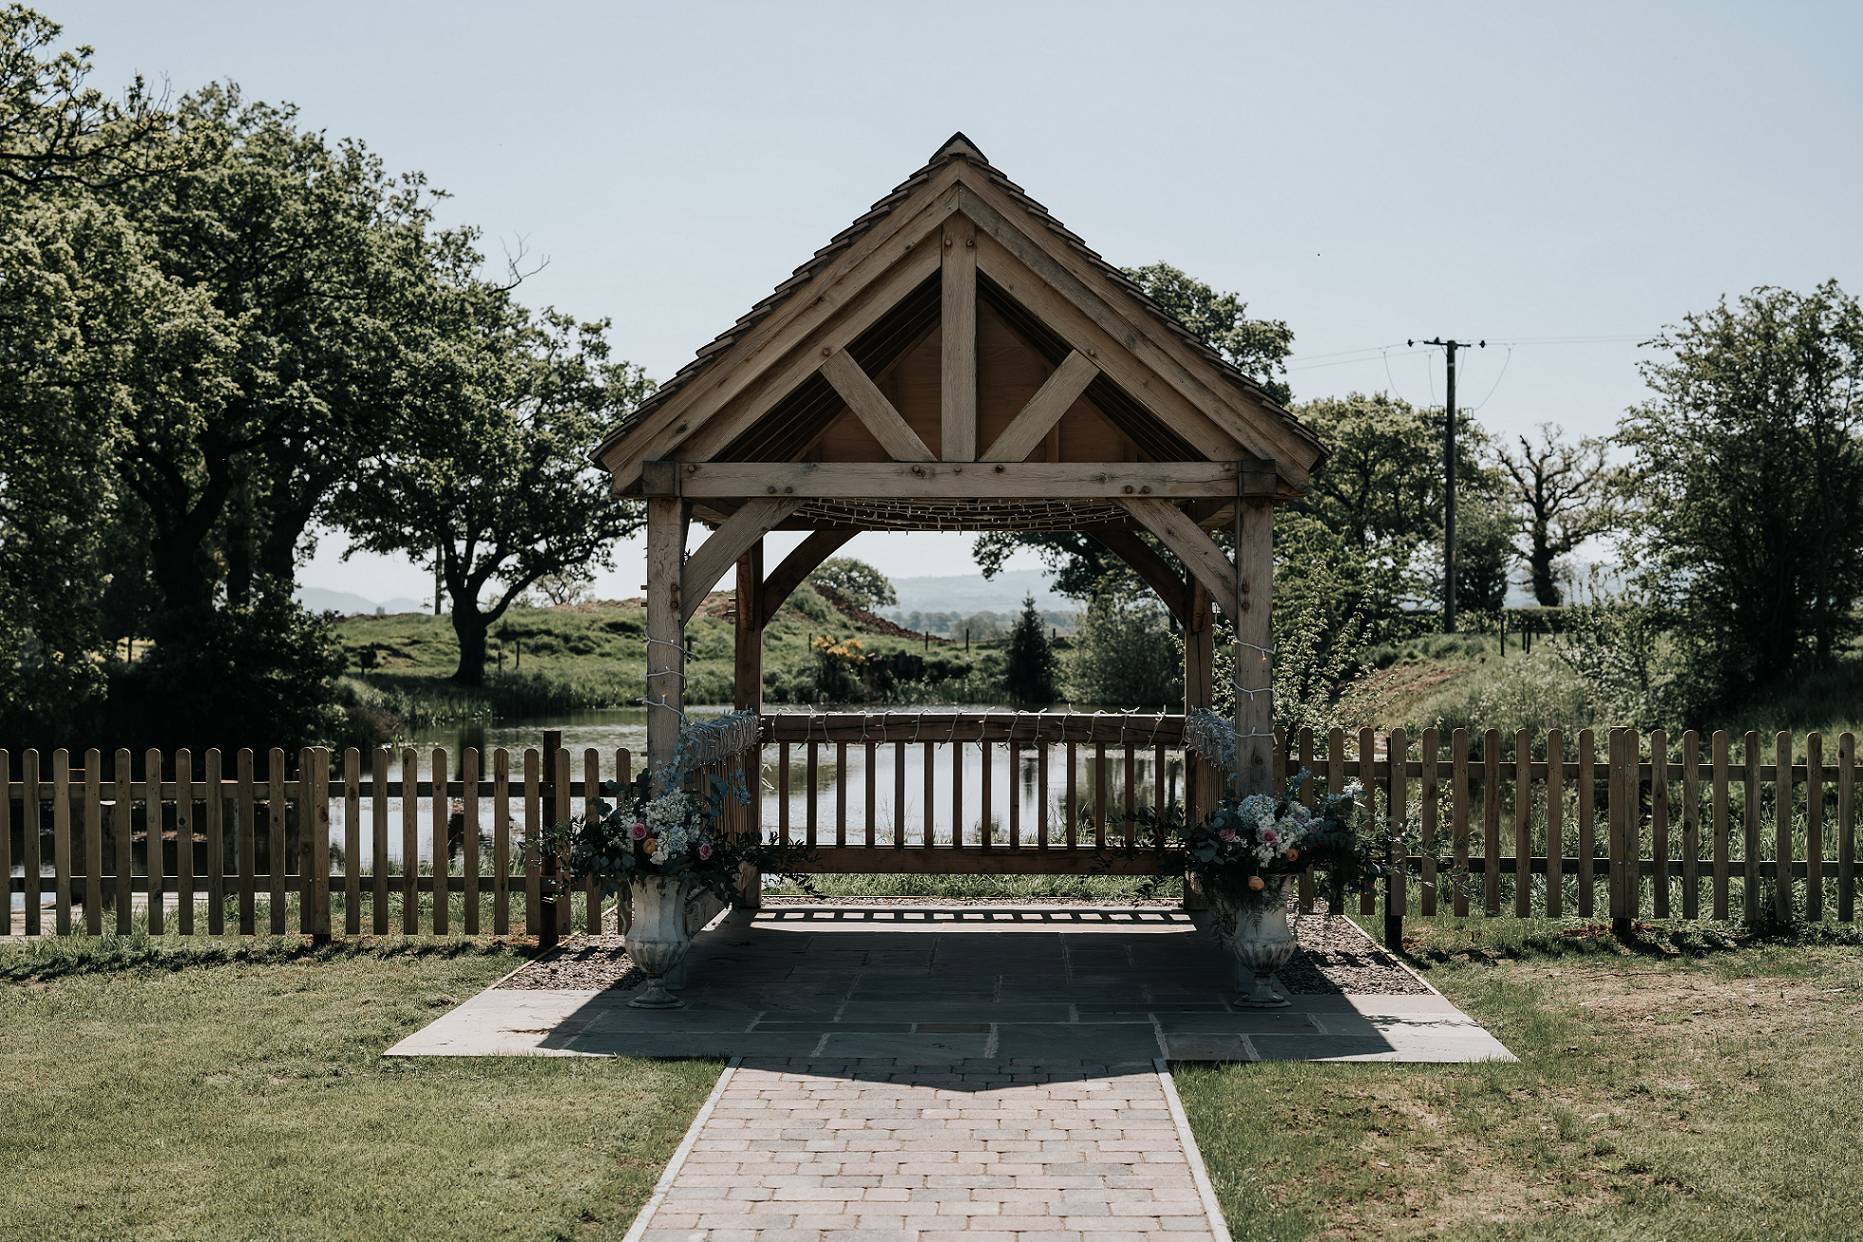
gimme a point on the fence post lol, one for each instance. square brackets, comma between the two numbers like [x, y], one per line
[320, 846]
[1397, 807]
[546, 858]
[1614, 832]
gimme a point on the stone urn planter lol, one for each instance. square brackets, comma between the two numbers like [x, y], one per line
[1254, 928]
[657, 937]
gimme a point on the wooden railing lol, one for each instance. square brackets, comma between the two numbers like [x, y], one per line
[247, 834]
[969, 791]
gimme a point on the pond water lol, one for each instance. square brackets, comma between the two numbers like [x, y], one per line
[626, 728]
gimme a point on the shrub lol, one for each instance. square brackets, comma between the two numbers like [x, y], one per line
[1125, 655]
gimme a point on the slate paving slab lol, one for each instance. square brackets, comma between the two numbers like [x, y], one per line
[856, 981]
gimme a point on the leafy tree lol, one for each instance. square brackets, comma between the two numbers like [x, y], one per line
[1484, 550]
[1029, 663]
[855, 581]
[1381, 485]
[1256, 347]
[57, 132]
[1124, 654]
[310, 258]
[1559, 491]
[488, 463]
[1746, 484]
[83, 333]
[263, 670]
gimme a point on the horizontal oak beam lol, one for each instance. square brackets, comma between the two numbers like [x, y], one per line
[1173, 480]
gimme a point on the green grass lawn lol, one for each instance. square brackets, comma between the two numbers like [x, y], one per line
[1656, 1097]
[197, 1094]
[593, 655]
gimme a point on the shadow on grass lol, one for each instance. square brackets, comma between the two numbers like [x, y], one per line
[1431, 942]
[47, 960]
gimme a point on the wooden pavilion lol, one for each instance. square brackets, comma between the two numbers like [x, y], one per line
[956, 359]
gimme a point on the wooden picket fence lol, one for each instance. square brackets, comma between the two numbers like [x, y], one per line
[1533, 826]
[245, 836]
[1514, 825]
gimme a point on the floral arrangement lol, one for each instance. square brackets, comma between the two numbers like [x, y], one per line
[1248, 844]
[675, 833]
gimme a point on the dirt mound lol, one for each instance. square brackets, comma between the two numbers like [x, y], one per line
[873, 620]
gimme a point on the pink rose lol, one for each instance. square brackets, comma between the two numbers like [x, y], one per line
[1227, 834]
[705, 850]
[638, 831]
[1269, 836]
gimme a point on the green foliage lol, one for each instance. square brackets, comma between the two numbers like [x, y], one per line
[264, 673]
[1484, 533]
[1329, 607]
[1536, 692]
[1029, 663]
[1124, 654]
[1256, 347]
[1631, 668]
[1746, 485]
[1381, 488]
[855, 581]
[488, 462]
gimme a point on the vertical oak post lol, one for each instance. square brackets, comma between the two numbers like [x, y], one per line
[666, 542]
[958, 329]
[748, 691]
[1254, 663]
[1201, 779]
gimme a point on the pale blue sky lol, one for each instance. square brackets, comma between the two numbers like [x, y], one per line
[1368, 172]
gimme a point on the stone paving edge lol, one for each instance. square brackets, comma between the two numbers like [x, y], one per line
[668, 1175]
[1193, 1155]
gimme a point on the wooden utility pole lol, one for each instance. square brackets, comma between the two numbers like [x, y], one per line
[1449, 348]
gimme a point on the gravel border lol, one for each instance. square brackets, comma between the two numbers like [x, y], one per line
[583, 964]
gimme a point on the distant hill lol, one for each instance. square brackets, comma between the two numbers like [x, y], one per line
[349, 604]
[975, 593]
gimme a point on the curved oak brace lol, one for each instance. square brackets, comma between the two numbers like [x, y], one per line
[1179, 532]
[753, 520]
[1152, 568]
[799, 564]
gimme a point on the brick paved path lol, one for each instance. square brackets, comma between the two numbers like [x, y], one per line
[866, 1151]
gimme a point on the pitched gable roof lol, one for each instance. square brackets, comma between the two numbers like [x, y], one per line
[957, 148]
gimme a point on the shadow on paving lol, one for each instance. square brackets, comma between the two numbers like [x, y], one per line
[948, 988]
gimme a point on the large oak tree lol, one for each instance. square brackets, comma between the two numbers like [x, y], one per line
[487, 466]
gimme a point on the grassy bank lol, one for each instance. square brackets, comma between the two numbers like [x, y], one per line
[1462, 680]
[187, 1093]
[1656, 1096]
[594, 655]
